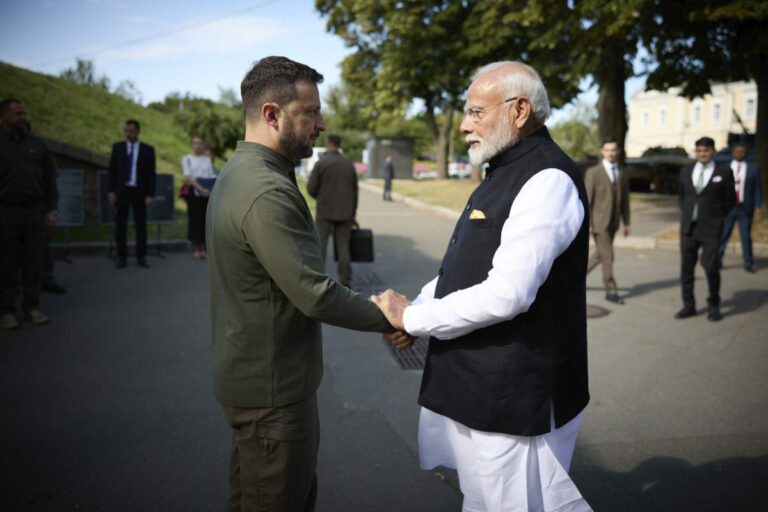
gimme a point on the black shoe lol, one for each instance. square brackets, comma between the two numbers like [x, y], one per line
[685, 313]
[614, 298]
[142, 263]
[750, 269]
[713, 314]
[53, 287]
[121, 263]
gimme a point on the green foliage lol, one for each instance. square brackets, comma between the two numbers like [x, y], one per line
[219, 124]
[84, 73]
[90, 117]
[577, 135]
[428, 51]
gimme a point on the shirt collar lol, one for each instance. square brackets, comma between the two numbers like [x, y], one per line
[608, 165]
[278, 160]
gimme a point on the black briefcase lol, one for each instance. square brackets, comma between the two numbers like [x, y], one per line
[360, 245]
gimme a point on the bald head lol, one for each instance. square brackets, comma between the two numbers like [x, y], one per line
[509, 79]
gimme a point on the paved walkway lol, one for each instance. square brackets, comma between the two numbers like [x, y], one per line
[109, 407]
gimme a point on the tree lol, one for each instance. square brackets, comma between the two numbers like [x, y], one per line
[406, 50]
[596, 39]
[577, 135]
[128, 90]
[84, 73]
[695, 44]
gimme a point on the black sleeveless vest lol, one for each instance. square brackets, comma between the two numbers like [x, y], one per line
[506, 377]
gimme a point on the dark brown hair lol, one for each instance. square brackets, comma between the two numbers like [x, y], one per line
[273, 79]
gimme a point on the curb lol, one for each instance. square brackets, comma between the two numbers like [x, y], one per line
[630, 242]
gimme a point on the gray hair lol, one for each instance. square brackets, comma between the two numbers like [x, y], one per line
[521, 84]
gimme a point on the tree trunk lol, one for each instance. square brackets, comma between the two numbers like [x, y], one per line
[611, 108]
[761, 135]
[440, 137]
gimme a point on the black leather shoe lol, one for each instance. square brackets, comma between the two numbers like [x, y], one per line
[751, 270]
[142, 263]
[685, 313]
[53, 287]
[121, 263]
[713, 314]
[614, 298]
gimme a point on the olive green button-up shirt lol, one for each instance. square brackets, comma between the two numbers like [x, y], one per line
[269, 291]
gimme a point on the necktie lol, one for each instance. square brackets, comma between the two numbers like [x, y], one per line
[615, 175]
[738, 183]
[699, 187]
[130, 152]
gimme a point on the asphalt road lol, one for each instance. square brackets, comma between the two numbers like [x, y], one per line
[110, 407]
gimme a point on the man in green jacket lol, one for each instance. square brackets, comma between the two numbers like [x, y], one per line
[269, 294]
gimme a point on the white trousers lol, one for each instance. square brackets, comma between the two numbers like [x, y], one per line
[502, 472]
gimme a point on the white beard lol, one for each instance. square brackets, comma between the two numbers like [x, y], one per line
[500, 140]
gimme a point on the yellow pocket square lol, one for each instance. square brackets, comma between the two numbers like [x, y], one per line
[476, 214]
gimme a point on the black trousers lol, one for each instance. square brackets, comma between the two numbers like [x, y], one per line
[196, 209]
[21, 253]
[689, 254]
[131, 198]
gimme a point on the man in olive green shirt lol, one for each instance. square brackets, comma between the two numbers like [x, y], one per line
[269, 294]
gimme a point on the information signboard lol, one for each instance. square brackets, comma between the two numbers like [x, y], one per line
[70, 207]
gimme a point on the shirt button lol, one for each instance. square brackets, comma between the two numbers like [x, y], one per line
[469, 205]
[453, 240]
[441, 272]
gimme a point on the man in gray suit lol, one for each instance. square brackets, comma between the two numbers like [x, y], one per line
[608, 193]
[334, 184]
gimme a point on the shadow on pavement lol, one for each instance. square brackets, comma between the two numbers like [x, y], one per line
[672, 484]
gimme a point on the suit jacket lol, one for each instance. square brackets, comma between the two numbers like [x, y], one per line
[753, 191]
[715, 201]
[334, 184]
[120, 169]
[605, 207]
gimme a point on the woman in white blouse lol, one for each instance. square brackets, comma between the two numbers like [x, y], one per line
[195, 166]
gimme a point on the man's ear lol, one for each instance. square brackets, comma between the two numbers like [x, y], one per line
[271, 114]
[522, 112]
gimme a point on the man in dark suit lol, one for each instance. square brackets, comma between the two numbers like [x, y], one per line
[749, 199]
[608, 193]
[705, 191]
[131, 185]
[334, 184]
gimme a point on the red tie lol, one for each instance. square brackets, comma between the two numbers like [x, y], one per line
[738, 183]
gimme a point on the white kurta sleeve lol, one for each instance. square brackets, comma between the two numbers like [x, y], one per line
[543, 221]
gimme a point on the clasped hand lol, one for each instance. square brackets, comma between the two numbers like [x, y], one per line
[393, 304]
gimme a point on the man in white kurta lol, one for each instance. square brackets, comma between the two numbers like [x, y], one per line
[499, 471]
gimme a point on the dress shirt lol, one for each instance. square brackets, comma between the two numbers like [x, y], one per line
[533, 236]
[707, 169]
[739, 177]
[609, 169]
[132, 148]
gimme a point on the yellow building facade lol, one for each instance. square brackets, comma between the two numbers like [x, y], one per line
[666, 119]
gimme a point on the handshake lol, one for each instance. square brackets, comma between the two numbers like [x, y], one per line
[392, 304]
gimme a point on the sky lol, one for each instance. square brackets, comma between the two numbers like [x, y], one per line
[164, 46]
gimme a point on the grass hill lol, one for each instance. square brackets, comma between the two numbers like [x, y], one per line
[93, 119]
[90, 117]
